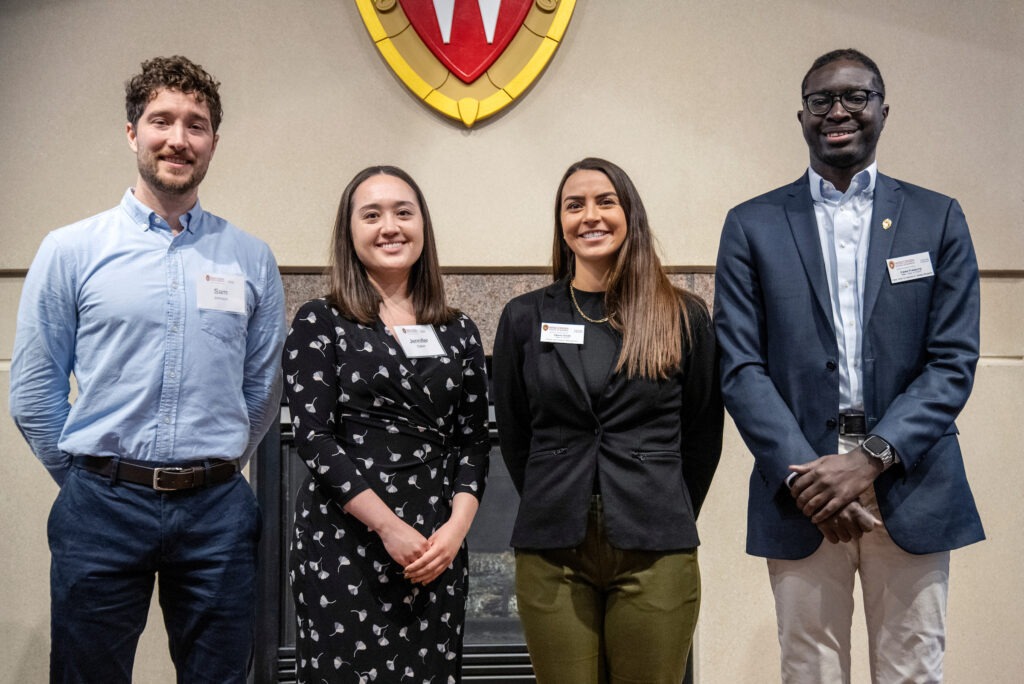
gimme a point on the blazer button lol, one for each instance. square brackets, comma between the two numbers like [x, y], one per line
[831, 365]
[597, 431]
[831, 423]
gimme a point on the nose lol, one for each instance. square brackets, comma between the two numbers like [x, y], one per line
[388, 224]
[837, 110]
[590, 212]
[177, 136]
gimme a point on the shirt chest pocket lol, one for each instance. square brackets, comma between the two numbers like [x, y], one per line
[224, 325]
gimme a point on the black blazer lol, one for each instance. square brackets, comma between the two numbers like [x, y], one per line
[655, 444]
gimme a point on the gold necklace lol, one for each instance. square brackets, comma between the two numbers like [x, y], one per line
[572, 293]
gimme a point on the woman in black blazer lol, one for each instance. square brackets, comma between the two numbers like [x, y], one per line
[610, 421]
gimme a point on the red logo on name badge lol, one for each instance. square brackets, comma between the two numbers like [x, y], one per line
[466, 35]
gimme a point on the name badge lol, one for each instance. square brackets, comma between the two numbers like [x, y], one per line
[221, 292]
[910, 267]
[561, 333]
[419, 341]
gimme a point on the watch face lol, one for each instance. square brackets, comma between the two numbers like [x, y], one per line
[876, 446]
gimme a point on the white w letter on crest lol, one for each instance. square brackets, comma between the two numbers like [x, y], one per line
[444, 10]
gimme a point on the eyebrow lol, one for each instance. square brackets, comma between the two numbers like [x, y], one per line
[379, 205]
[166, 113]
[603, 195]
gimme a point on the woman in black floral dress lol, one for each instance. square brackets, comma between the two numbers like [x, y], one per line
[387, 390]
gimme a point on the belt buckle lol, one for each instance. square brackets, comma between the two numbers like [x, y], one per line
[172, 471]
[853, 418]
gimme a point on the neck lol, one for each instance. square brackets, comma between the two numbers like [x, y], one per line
[169, 207]
[393, 290]
[591, 277]
[396, 305]
[838, 177]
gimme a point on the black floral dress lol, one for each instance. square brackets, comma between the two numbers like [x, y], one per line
[415, 432]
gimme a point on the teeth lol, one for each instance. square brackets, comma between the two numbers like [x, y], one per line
[596, 233]
[389, 245]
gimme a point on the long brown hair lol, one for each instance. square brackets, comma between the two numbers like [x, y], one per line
[350, 289]
[640, 301]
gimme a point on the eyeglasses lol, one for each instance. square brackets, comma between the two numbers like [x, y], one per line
[853, 101]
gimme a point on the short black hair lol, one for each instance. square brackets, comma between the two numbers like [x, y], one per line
[172, 73]
[844, 54]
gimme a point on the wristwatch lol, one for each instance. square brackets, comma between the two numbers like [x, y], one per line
[880, 449]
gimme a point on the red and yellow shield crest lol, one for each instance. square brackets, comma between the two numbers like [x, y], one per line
[468, 59]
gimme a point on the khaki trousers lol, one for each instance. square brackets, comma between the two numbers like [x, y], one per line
[596, 614]
[904, 598]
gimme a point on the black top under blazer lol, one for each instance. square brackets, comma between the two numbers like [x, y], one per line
[655, 444]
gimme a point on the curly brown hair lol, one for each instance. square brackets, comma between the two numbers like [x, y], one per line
[173, 73]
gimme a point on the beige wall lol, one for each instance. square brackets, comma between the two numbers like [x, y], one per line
[696, 100]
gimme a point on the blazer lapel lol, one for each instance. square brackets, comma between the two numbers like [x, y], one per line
[557, 308]
[800, 212]
[885, 222]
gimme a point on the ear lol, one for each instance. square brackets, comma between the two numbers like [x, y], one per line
[885, 114]
[800, 116]
[216, 139]
[129, 131]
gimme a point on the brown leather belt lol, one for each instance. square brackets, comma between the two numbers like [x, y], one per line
[162, 479]
[852, 424]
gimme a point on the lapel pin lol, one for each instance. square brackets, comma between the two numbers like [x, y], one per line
[886, 224]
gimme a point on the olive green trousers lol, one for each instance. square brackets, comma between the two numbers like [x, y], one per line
[600, 615]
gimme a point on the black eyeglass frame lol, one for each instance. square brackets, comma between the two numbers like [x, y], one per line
[841, 98]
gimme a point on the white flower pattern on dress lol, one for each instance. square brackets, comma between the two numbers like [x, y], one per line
[415, 432]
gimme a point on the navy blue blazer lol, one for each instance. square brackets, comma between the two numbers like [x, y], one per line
[656, 444]
[780, 379]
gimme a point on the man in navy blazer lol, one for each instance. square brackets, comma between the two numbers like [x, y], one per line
[846, 308]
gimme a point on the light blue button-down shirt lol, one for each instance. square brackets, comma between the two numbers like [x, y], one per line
[113, 300]
[844, 222]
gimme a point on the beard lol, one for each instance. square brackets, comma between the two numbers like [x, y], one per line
[167, 183]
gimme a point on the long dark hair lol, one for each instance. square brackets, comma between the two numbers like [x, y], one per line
[640, 301]
[350, 289]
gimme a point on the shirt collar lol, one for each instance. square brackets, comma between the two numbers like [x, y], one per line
[823, 190]
[147, 219]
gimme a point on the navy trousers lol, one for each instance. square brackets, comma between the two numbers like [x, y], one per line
[109, 541]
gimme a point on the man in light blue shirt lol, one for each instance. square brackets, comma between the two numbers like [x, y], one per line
[171, 321]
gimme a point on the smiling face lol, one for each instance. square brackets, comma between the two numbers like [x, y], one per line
[173, 142]
[387, 228]
[842, 144]
[593, 222]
